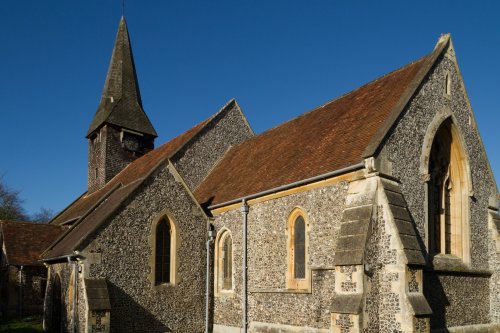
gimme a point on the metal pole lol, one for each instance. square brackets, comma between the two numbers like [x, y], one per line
[75, 292]
[207, 286]
[244, 210]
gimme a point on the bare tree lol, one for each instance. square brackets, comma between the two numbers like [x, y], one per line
[11, 207]
[10, 204]
[43, 216]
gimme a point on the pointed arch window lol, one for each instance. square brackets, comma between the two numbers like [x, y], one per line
[448, 194]
[298, 275]
[299, 248]
[163, 251]
[224, 262]
[227, 263]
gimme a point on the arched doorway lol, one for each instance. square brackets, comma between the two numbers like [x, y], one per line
[56, 322]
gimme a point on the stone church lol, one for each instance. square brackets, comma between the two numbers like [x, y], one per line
[375, 212]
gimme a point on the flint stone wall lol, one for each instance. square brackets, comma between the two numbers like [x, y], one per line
[269, 301]
[404, 148]
[64, 271]
[32, 288]
[122, 244]
[495, 281]
[195, 160]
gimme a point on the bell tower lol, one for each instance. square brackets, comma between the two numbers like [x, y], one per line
[120, 131]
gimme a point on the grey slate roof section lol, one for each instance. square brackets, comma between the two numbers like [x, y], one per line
[347, 304]
[419, 305]
[353, 235]
[97, 294]
[402, 219]
[121, 103]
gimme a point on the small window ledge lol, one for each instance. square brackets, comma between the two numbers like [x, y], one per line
[279, 291]
[446, 263]
[224, 293]
[163, 286]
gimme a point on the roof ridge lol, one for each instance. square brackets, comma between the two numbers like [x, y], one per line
[162, 145]
[137, 182]
[327, 103]
[82, 218]
[343, 95]
[26, 223]
[333, 136]
[226, 106]
[376, 141]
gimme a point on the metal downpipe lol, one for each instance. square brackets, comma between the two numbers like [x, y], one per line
[244, 210]
[211, 237]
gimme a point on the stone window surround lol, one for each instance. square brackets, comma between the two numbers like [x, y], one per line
[291, 282]
[448, 261]
[174, 246]
[447, 84]
[219, 243]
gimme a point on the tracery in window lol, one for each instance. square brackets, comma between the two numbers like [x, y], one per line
[448, 194]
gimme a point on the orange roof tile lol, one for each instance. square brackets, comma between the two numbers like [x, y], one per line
[134, 171]
[328, 138]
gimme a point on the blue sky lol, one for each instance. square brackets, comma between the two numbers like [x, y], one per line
[277, 58]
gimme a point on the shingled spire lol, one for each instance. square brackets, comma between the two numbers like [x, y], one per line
[121, 130]
[121, 103]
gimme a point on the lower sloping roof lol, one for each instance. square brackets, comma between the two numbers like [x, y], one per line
[91, 210]
[24, 242]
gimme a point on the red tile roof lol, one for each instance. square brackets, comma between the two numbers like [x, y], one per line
[134, 171]
[25, 241]
[89, 211]
[328, 138]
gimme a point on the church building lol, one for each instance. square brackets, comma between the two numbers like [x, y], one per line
[374, 212]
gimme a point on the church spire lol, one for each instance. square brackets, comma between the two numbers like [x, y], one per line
[120, 131]
[121, 103]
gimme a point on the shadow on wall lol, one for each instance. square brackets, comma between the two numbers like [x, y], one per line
[436, 296]
[129, 316]
[433, 288]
